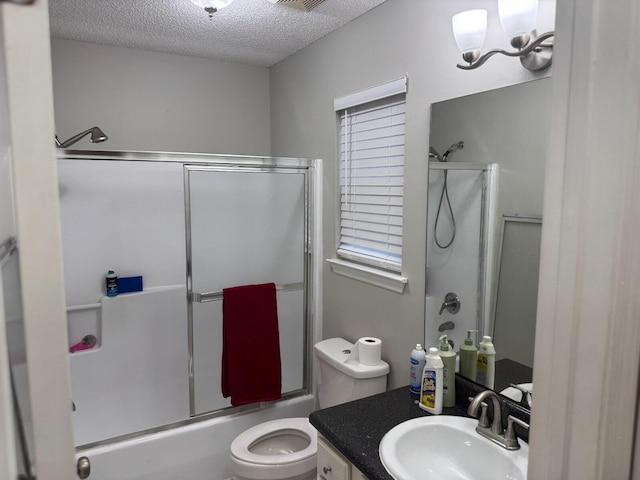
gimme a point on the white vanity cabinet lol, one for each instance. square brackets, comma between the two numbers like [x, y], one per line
[332, 465]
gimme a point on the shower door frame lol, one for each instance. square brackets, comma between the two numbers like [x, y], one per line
[487, 238]
[312, 171]
[205, 297]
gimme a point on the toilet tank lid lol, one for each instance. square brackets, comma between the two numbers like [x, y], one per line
[337, 353]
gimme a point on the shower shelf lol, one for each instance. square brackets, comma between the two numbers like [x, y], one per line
[215, 296]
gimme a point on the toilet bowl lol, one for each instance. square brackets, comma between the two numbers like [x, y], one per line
[286, 449]
[282, 449]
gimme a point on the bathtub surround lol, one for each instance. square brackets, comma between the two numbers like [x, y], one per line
[142, 340]
[154, 337]
[200, 448]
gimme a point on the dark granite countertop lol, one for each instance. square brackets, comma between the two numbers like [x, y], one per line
[356, 428]
[509, 371]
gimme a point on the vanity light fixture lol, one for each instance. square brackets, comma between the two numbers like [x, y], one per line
[211, 6]
[518, 21]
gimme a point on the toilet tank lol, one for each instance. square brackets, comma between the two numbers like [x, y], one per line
[341, 378]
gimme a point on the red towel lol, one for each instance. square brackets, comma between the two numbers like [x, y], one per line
[250, 344]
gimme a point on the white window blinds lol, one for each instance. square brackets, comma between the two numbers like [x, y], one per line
[371, 158]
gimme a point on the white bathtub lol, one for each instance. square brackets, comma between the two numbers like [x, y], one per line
[198, 451]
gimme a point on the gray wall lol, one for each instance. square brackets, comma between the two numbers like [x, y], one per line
[156, 101]
[509, 126]
[399, 37]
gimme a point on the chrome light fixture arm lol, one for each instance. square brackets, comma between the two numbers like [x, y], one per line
[535, 56]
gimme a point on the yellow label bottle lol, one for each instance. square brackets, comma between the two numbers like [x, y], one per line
[486, 362]
[431, 391]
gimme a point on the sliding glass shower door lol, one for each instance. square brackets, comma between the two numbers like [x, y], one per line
[246, 226]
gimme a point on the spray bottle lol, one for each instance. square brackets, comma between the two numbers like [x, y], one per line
[448, 373]
[418, 359]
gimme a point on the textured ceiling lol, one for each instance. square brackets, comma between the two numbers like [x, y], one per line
[249, 31]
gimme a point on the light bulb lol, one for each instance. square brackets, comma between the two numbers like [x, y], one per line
[469, 30]
[217, 4]
[518, 17]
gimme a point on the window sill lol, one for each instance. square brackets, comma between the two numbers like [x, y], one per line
[370, 275]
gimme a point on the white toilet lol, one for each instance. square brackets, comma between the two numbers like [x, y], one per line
[286, 449]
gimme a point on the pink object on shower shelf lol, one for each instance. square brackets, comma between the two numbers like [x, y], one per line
[87, 342]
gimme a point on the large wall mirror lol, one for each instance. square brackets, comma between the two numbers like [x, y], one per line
[486, 182]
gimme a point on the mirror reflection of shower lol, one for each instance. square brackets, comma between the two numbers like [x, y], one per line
[97, 136]
[445, 194]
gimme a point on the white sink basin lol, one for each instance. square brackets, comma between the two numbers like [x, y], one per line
[515, 394]
[448, 448]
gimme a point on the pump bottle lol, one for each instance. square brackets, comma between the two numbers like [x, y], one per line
[431, 391]
[448, 373]
[418, 359]
[468, 357]
[486, 362]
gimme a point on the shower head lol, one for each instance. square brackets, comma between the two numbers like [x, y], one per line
[456, 146]
[443, 158]
[97, 136]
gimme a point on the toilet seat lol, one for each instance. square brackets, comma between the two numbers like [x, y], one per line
[286, 426]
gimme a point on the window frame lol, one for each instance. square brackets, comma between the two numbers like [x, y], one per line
[375, 270]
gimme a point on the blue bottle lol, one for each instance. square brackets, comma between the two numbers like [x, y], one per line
[112, 283]
[418, 359]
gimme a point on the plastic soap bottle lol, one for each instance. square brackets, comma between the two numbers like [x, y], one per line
[112, 283]
[431, 391]
[448, 373]
[486, 362]
[418, 359]
[468, 357]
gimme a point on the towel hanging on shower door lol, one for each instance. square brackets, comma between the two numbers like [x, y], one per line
[251, 369]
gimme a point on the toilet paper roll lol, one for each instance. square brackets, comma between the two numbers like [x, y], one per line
[369, 350]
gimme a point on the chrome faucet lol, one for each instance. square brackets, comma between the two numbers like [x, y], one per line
[495, 432]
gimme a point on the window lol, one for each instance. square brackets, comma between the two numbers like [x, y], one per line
[371, 160]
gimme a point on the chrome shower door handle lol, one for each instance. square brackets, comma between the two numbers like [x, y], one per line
[451, 303]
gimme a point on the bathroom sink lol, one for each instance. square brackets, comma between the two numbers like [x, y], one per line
[515, 394]
[448, 448]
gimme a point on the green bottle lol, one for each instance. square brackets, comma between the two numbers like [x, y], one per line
[449, 373]
[468, 357]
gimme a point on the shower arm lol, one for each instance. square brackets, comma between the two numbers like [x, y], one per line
[72, 140]
[96, 136]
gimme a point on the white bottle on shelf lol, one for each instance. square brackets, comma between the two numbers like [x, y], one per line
[486, 362]
[431, 392]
